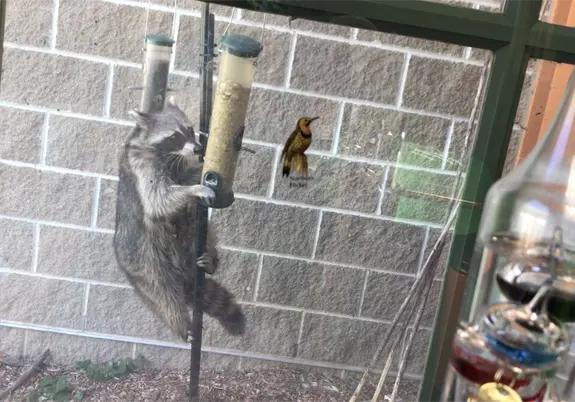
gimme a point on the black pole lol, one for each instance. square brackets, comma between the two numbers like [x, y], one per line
[206, 79]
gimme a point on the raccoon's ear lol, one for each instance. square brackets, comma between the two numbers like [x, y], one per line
[172, 101]
[141, 118]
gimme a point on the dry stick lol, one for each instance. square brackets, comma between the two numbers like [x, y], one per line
[403, 363]
[414, 288]
[427, 281]
[25, 375]
[385, 371]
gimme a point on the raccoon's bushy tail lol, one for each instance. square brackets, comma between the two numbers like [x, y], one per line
[220, 303]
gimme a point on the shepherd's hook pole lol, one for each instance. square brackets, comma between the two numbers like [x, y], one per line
[206, 79]
[2, 26]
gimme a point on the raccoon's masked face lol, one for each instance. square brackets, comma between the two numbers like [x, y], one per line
[169, 133]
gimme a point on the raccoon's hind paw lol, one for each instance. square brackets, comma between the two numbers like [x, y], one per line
[190, 337]
[206, 262]
[235, 324]
[203, 192]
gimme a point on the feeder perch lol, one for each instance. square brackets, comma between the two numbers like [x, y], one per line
[236, 73]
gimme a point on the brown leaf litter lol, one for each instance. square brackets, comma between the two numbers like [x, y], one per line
[154, 385]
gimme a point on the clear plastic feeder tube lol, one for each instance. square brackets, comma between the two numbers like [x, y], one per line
[235, 77]
[158, 53]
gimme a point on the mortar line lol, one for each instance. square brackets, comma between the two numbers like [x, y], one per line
[85, 306]
[36, 248]
[359, 102]
[447, 146]
[272, 183]
[294, 91]
[338, 128]
[291, 58]
[316, 236]
[73, 55]
[359, 159]
[309, 260]
[300, 333]
[109, 90]
[57, 224]
[55, 169]
[362, 297]
[258, 276]
[403, 80]
[62, 278]
[54, 112]
[335, 210]
[421, 259]
[44, 139]
[134, 350]
[354, 33]
[317, 312]
[222, 351]
[382, 191]
[467, 53]
[55, 17]
[96, 203]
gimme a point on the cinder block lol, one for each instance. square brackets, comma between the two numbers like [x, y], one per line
[78, 254]
[266, 227]
[310, 285]
[17, 244]
[335, 183]
[275, 124]
[22, 131]
[85, 145]
[441, 86]
[29, 22]
[108, 30]
[107, 204]
[56, 82]
[370, 243]
[237, 272]
[381, 134]
[351, 71]
[35, 194]
[179, 359]
[41, 301]
[268, 331]
[68, 350]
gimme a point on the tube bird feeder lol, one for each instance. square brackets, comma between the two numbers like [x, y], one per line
[158, 53]
[235, 77]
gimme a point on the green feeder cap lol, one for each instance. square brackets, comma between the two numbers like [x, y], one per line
[242, 46]
[160, 40]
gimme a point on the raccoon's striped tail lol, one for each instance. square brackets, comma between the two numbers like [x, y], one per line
[221, 304]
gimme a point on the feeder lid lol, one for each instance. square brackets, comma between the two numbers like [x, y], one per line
[242, 46]
[160, 40]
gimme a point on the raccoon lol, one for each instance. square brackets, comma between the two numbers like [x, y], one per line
[154, 242]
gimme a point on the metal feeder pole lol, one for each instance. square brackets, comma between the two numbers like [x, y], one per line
[157, 57]
[2, 26]
[206, 79]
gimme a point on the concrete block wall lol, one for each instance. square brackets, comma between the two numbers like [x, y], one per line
[320, 271]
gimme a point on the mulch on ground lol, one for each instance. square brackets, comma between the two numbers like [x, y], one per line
[153, 385]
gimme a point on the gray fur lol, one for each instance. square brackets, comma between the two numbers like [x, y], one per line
[155, 234]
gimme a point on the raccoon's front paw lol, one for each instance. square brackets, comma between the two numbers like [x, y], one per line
[204, 192]
[206, 262]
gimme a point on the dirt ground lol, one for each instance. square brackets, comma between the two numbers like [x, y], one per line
[150, 385]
